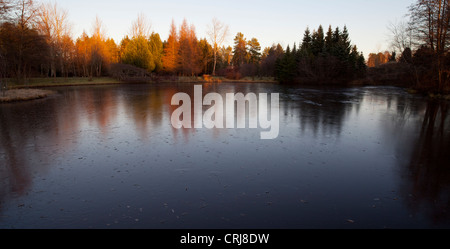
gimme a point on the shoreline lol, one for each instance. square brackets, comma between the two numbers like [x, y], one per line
[34, 83]
[31, 91]
[79, 81]
[38, 88]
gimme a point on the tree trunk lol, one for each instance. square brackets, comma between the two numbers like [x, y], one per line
[215, 62]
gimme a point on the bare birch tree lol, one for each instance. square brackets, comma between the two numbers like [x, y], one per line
[141, 27]
[401, 36]
[5, 7]
[98, 29]
[217, 33]
[53, 23]
[97, 50]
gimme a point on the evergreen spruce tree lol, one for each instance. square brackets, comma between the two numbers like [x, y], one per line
[342, 45]
[361, 66]
[321, 58]
[393, 57]
[318, 41]
[305, 48]
[329, 41]
[286, 67]
[345, 41]
[336, 41]
[354, 56]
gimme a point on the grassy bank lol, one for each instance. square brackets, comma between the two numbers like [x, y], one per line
[23, 95]
[28, 90]
[50, 82]
[217, 79]
[253, 80]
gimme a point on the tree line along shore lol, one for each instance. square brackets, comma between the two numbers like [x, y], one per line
[35, 41]
[37, 49]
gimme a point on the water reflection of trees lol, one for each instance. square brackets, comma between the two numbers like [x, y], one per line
[222, 89]
[321, 110]
[145, 107]
[33, 134]
[419, 131]
[29, 134]
[17, 178]
[103, 104]
[428, 169]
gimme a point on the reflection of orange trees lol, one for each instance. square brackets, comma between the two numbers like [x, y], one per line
[29, 142]
[216, 106]
[428, 169]
[210, 80]
[17, 173]
[170, 92]
[101, 106]
[147, 106]
[105, 108]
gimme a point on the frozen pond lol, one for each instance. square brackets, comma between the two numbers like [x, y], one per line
[108, 157]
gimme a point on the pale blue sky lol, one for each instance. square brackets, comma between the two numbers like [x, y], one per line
[282, 21]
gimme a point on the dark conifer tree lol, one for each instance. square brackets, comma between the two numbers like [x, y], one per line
[336, 40]
[393, 57]
[318, 41]
[321, 59]
[286, 67]
[305, 48]
[329, 40]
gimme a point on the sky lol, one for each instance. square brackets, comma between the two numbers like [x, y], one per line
[271, 22]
